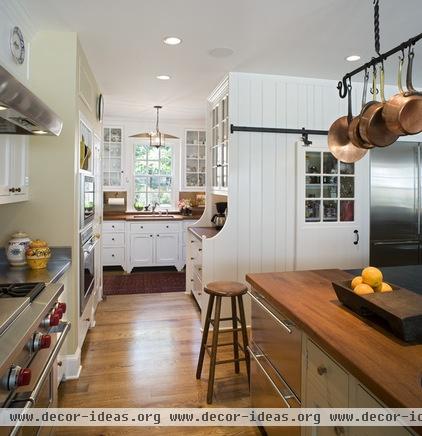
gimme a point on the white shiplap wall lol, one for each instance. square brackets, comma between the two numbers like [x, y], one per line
[259, 234]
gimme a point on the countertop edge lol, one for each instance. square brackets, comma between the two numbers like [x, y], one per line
[379, 390]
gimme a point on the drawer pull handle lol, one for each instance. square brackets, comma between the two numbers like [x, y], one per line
[167, 227]
[288, 329]
[192, 258]
[191, 280]
[199, 249]
[255, 357]
[150, 236]
[322, 370]
[112, 239]
[142, 227]
[112, 255]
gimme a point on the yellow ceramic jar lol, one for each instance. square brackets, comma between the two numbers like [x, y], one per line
[38, 254]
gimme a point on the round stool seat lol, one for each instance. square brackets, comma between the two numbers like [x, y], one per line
[225, 289]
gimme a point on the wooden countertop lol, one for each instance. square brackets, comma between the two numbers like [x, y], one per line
[390, 368]
[144, 217]
[201, 232]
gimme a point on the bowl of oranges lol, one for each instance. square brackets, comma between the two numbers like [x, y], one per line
[362, 293]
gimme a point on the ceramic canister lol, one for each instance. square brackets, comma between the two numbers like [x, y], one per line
[16, 249]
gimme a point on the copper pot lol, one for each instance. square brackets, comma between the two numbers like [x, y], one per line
[338, 137]
[353, 130]
[403, 112]
[372, 127]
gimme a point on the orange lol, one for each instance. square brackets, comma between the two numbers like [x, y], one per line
[363, 289]
[385, 287]
[356, 281]
[372, 276]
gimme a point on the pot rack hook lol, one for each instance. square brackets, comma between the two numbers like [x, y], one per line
[342, 87]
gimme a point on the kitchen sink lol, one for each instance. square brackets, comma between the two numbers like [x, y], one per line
[153, 217]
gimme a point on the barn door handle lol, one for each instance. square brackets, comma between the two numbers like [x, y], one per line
[356, 241]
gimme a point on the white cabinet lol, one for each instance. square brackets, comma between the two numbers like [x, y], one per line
[113, 159]
[194, 162]
[326, 384]
[167, 248]
[142, 250]
[13, 169]
[113, 252]
[154, 243]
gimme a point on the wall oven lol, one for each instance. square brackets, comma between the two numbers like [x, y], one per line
[87, 199]
[87, 266]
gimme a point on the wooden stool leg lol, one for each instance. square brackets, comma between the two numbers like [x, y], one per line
[204, 337]
[216, 326]
[244, 336]
[235, 336]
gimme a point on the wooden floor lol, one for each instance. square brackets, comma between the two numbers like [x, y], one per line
[143, 353]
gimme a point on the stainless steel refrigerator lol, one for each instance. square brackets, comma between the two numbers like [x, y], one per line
[396, 234]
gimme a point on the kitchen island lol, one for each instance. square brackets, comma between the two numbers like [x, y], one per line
[391, 370]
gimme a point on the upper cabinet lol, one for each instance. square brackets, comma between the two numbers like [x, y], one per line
[13, 169]
[194, 163]
[219, 143]
[113, 159]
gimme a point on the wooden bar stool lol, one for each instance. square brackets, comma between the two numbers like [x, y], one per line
[216, 291]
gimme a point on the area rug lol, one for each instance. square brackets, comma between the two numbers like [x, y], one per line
[144, 282]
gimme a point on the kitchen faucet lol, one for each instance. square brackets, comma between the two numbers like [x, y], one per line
[155, 206]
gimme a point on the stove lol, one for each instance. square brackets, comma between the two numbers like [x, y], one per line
[16, 290]
[31, 334]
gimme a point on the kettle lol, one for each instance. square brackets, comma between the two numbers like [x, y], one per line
[218, 220]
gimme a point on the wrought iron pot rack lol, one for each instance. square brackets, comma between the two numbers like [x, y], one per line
[342, 85]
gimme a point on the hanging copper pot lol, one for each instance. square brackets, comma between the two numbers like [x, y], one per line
[403, 112]
[353, 130]
[338, 137]
[372, 127]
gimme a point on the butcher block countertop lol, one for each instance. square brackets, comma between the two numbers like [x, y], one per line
[390, 368]
[148, 217]
[203, 232]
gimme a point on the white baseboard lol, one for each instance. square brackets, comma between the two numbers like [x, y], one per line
[71, 365]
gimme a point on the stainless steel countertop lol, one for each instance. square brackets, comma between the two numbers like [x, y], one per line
[59, 263]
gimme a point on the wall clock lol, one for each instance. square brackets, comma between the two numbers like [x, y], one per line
[17, 45]
[100, 108]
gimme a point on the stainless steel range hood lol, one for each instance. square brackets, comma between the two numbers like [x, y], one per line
[22, 112]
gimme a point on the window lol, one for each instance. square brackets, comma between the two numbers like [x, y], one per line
[153, 175]
[329, 188]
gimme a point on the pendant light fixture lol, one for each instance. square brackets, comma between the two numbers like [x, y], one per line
[157, 138]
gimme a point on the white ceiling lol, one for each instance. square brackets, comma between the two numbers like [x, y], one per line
[123, 42]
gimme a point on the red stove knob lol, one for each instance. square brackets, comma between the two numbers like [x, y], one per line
[40, 341]
[59, 312]
[51, 320]
[17, 377]
[62, 307]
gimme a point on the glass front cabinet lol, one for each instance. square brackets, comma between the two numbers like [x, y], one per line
[195, 161]
[112, 159]
[219, 145]
[329, 188]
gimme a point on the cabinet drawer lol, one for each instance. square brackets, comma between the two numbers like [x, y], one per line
[114, 239]
[155, 227]
[113, 226]
[113, 256]
[327, 382]
[279, 340]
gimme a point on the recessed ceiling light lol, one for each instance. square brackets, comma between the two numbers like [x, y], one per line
[39, 132]
[172, 40]
[163, 77]
[3, 108]
[353, 58]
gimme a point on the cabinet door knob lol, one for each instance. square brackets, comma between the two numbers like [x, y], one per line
[167, 227]
[199, 249]
[150, 236]
[322, 370]
[112, 239]
[158, 236]
[142, 227]
[112, 255]
[192, 258]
